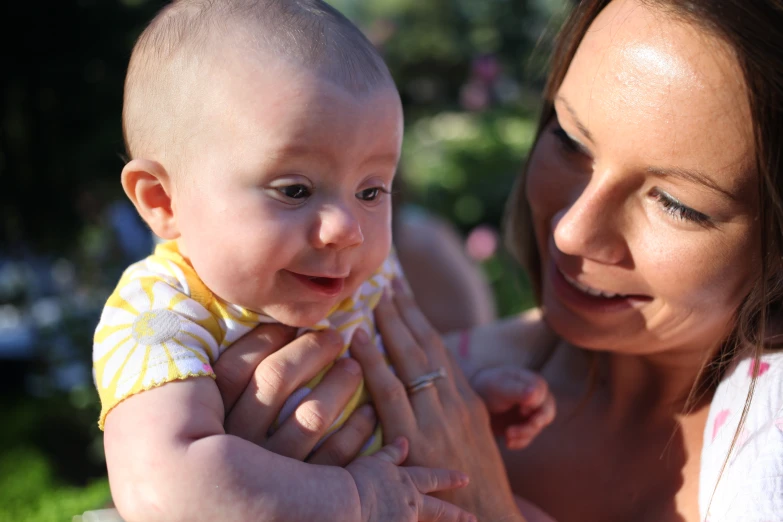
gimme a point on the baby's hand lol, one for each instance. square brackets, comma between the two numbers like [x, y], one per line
[518, 400]
[389, 492]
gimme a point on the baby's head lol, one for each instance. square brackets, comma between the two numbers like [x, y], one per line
[264, 137]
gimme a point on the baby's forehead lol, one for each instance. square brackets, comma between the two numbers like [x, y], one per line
[193, 50]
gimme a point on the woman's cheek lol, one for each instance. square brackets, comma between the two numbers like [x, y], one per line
[695, 267]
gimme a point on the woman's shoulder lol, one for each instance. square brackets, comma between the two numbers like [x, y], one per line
[765, 408]
[767, 372]
[752, 481]
[521, 340]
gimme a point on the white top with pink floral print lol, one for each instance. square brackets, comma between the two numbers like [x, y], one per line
[750, 489]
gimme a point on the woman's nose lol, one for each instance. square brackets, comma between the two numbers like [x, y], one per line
[337, 228]
[592, 225]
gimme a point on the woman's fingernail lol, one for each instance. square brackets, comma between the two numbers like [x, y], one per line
[331, 336]
[352, 367]
[368, 412]
[360, 336]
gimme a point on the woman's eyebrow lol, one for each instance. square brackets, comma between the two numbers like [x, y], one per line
[692, 176]
[579, 125]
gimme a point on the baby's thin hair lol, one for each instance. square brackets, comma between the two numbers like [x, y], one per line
[179, 42]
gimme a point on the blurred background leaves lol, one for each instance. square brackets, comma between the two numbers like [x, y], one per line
[468, 76]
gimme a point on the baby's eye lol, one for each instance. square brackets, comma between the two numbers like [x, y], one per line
[369, 194]
[294, 191]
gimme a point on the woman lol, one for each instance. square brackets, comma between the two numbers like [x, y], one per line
[650, 220]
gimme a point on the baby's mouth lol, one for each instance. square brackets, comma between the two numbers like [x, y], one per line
[327, 286]
[326, 282]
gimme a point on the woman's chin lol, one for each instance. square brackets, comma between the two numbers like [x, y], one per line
[580, 332]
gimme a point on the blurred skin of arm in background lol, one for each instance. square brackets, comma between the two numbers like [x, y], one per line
[449, 287]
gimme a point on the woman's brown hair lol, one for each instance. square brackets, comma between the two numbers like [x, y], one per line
[753, 31]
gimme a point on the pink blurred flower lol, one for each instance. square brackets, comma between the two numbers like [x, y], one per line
[486, 68]
[482, 243]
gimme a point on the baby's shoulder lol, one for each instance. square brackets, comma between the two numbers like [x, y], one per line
[521, 340]
[155, 267]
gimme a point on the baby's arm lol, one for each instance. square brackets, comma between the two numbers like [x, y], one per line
[169, 459]
[495, 359]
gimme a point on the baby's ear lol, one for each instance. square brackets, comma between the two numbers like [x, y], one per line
[148, 186]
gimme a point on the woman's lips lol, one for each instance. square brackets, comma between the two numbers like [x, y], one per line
[326, 286]
[589, 290]
[581, 296]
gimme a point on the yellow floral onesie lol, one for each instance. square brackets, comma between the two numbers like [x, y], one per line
[161, 324]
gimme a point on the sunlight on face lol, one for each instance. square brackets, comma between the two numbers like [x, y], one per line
[284, 204]
[641, 190]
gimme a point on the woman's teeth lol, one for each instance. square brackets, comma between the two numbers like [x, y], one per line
[591, 291]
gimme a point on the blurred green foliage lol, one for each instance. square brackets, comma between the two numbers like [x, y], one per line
[468, 78]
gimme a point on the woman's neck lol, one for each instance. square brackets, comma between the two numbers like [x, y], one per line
[653, 386]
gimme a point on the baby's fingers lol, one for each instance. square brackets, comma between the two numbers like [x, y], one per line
[520, 436]
[430, 480]
[537, 397]
[435, 510]
[396, 452]
[504, 388]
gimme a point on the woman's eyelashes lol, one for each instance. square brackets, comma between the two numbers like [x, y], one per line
[673, 207]
[569, 144]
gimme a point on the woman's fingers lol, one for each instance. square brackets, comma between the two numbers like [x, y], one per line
[388, 393]
[234, 368]
[406, 355]
[342, 446]
[426, 337]
[275, 379]
[298, 434]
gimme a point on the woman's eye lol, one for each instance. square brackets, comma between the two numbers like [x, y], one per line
[370, 194]
[568, 143]
[294, 191]
[674, 208]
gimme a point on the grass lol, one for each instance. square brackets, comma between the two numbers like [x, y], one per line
[48, 471]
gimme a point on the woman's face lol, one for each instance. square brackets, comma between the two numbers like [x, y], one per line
[642, 190]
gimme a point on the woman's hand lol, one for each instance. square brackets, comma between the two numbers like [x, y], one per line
[446, 423]
[260, 372]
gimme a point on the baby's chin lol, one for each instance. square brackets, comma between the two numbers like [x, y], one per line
[299, 315]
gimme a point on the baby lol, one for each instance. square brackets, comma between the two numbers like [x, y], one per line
[264, 136]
